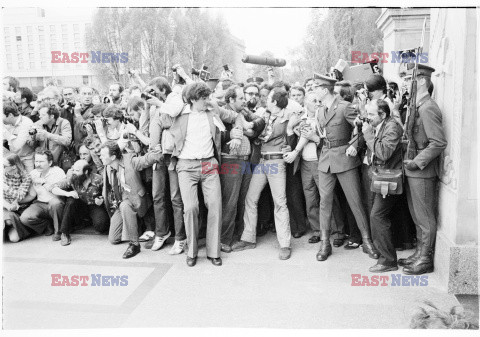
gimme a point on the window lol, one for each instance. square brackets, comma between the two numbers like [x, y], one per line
[31, 56]
[76, 28]
[41, 29]
[87, 26]
[65, 36]
[31, 47]
[7, 40]
[53, 37]
[32, 65]
[20, 65]
[9, 66]
[18, 31]
[65, 46]
[30, 38]
[85, 80]
[6, 30]
[77, 45]
[19, 48]
[19, 57]
[8, 48]
[52, 28]
[19, 38]
[53, 45]
[77, 37]
[29, 29]
[41, 38]
[64, 28]
[42, 47]
[43, 65]
[9, 57]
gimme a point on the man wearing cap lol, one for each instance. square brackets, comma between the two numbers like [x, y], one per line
[422, 169]
[336, 122]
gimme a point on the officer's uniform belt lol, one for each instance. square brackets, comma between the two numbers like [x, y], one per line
[334, 143]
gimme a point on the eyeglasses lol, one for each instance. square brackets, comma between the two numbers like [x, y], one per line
[252, 94]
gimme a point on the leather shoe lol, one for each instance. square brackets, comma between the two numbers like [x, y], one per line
[132, 250]
[242, 245]
[369, 249]
[314, 239]
[65, 239]
[285, 253]
[412, 258]
[216, 261]
[57, 237]
[297, 235]
[191, 261]
[325, 250]
[380, 268]
[338, 242]
[225, 248]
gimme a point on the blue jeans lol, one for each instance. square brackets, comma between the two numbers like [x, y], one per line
[276, 178]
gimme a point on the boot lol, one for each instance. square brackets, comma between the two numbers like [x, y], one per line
[325, 250]
[412, 258]
[369, 248]
[422, 265]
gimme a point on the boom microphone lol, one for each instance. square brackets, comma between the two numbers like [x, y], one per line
[265, 61]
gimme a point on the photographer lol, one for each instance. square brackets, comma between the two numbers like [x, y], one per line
[16, 133]
[68, 105]
[111, 127]
[383, 135]
[81, 189]
[23, 98]
[51, 131]
[114, 94]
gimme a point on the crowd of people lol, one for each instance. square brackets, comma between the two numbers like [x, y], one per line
[227, 161]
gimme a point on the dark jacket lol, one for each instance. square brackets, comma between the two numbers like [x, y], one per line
[386, 146]
[430, 138]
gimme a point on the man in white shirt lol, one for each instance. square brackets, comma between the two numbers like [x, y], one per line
[48, 207]
[16, 134]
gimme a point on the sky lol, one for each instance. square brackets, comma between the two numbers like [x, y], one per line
[273, 29]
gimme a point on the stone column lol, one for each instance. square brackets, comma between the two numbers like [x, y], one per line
[402, 30]
[451, 45]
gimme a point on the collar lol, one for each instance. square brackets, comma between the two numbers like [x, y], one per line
[17, 123]
[422, 98]
[188, 110]
[335, 98]
[379, 126]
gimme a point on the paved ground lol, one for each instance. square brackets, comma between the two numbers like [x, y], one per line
[252, 289]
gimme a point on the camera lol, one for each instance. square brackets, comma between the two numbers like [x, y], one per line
[130, 72]
[71, 104]
[32, 132]
[128, 119]
[178, 78]
[107, 100]
[148, 94]
[362, 120]
[92, 124]
[226, 67]
[203, 73]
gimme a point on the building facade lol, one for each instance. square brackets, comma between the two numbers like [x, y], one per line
[31, 34]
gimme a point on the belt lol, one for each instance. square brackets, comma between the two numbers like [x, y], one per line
[272, 156]
[231, 156]
[201, 159]
[334, 143]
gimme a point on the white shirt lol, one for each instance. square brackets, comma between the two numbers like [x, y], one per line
[17, 136]
[54, 175]
[198, 140]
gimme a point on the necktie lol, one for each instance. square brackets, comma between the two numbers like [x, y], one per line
[116, 188]
[325, 112]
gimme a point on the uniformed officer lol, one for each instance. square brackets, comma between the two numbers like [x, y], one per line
[422, 173]
[336, 122]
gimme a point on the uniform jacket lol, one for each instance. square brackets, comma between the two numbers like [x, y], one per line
[430, 139]
[386, 145]
[133, 164]
[338, 125]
